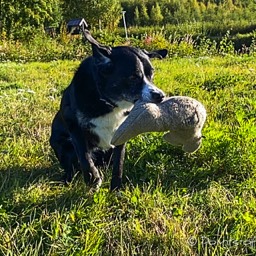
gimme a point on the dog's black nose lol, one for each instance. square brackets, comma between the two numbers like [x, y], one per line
[157, 96]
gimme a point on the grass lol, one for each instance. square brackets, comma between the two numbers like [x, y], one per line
[172, 203]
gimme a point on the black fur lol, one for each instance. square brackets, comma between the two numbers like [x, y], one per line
[102, 92]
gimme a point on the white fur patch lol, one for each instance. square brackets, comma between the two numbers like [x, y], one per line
[105, 126]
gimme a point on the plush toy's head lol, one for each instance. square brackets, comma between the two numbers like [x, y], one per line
[183, 118]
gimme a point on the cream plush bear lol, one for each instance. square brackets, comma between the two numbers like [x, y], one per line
[183, 118]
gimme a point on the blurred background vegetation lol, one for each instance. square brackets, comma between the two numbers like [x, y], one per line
[183, 26]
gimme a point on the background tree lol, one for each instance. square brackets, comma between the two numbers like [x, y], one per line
[144, 17]
[195, 10]
[22, 17]
[182, 14]
[137, 16]
[156, 14]
[97, 13]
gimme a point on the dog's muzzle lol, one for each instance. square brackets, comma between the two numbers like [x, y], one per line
[151, 93]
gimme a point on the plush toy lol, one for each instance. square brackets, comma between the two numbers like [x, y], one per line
[183, 118]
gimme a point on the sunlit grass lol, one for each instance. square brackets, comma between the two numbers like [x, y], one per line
[172, 203]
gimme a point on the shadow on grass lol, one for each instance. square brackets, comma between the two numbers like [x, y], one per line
[23, 189]
[164, 166]
[18, 177]
[169, 167]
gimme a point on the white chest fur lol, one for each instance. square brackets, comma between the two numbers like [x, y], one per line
[105, 126]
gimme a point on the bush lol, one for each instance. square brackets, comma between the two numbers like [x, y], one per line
[43, 48]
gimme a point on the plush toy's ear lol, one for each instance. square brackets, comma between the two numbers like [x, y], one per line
[101, 53]
[160, 54]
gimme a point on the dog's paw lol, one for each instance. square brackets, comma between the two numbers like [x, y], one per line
[98, 182]
[95, 185]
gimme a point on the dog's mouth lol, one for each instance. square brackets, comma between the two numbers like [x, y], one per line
[157, 97]
[150, 96]
[156, 101]
[153, 97]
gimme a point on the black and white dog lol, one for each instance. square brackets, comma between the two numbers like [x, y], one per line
[97, 101]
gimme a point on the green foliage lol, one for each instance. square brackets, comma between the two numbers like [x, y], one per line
[226, 45]
[187, 11]
[20, 19]
[155, 14]
[253, 44]
[172, 203]
[137, 16]
[44, 48]
[98, 14]
[144, 16]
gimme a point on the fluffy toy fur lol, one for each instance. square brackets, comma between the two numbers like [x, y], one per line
[183, 118]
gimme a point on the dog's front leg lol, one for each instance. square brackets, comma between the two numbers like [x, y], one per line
[94, 176]
[90, 172]
[118, 163]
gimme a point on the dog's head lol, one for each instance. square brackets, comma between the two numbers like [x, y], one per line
[125, 73]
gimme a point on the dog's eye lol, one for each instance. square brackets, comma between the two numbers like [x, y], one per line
[135, 79]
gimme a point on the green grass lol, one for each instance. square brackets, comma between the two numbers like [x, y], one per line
[172, 203]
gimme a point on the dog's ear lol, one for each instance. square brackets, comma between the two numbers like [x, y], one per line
[160, 54]
[100, 52]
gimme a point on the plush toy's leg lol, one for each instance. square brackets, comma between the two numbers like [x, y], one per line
[189, 142]
[173, 138]
[192, 145]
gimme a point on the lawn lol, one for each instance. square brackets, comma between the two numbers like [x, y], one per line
[172, 203]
